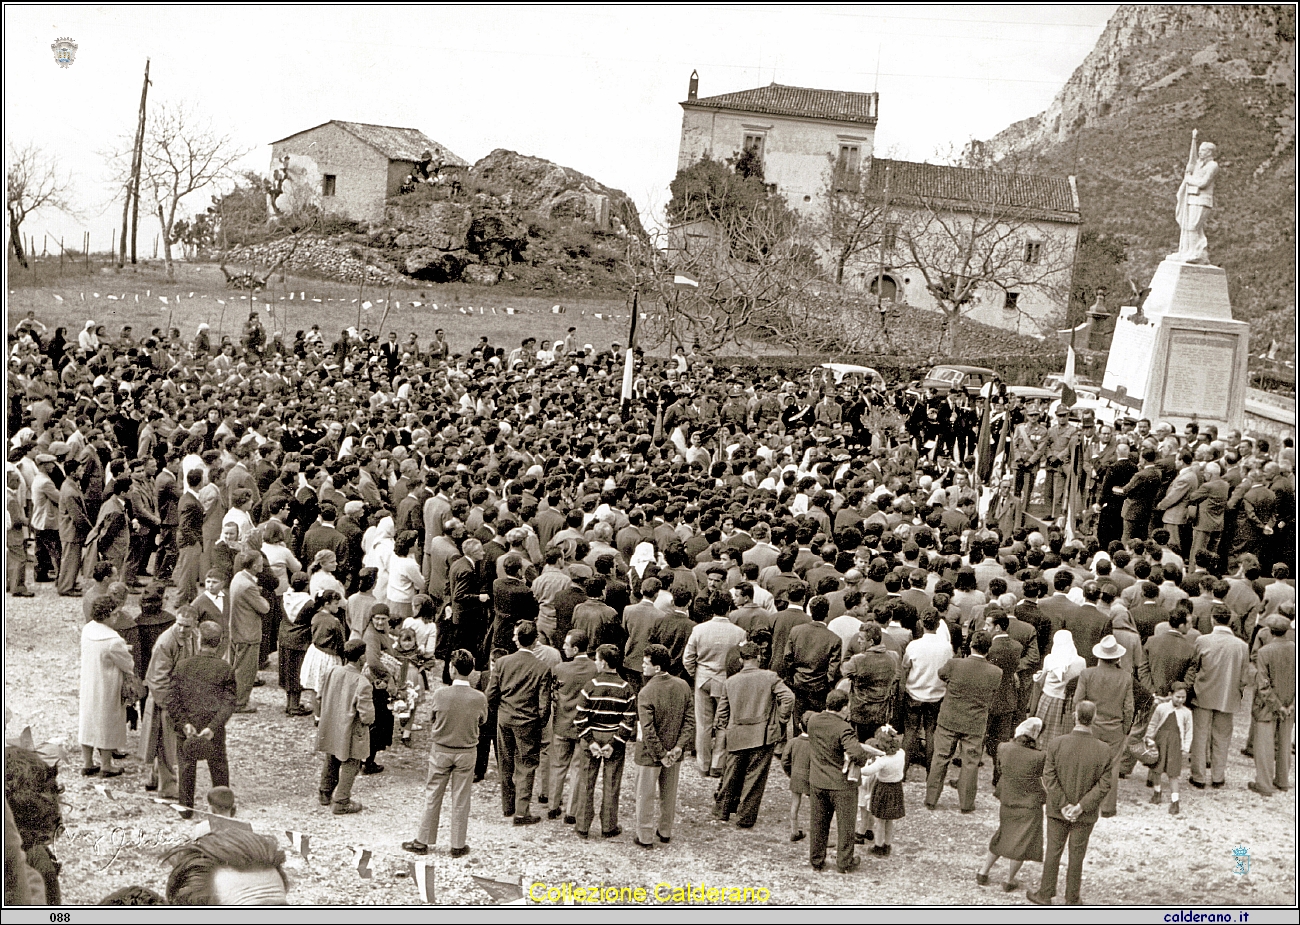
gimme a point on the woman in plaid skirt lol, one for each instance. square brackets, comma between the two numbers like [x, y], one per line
[1062, 665]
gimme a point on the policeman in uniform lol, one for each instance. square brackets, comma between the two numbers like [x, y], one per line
[1025, 441]
[1056, 452]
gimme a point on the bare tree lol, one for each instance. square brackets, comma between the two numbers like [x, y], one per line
[984, 246]
[750, 267]
[853, 220]
[32, 182]
[182, 155]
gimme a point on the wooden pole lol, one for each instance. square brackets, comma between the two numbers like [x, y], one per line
[60, 257]
[45, 245]
[139, 161]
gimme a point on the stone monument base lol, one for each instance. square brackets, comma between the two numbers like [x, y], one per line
[1182, 358]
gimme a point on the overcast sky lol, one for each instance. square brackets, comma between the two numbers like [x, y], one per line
[592, 88]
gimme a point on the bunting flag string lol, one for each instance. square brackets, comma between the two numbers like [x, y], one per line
[361, 860]
[422, 873]
[299, 841]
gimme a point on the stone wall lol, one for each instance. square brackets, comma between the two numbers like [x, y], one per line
[344, 262]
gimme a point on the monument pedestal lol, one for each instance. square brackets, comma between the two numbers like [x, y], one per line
[1183, 358]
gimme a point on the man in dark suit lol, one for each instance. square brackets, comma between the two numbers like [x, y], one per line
[200, 701]
[1088, 625]
[1004, 652]
[521, 690]
[1139, 496]
[963, 719]
[812, 659]
[1059, 607]
[831, 741]
[1110, 523]
[673, 630]
[1169, 655]
[570, 678]
[638, 620]
[324, 535]
[753, 705]
[1148, 614]
[1077, 776]
[512, 601]
[1030, 660]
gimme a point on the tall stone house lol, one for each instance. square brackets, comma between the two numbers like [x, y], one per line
[811, 141]
[361, 165]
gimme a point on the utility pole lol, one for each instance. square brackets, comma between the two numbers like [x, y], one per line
[139, 162]
[133, 182]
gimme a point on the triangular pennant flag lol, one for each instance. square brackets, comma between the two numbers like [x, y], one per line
[95, 294]
[148, 292]
[366, 306]
[600, 316]
[361, 860]
[302, 295]
[510, 311]
[180, 810]
[435, 306]
[416, 304]
[317, 300]
[685, 281]
[57, 297]
[397, 305]
[191, 295]
[203, 828]
[422, 874]
[24, 740]
[494, 311]
[83, 297]
[221, 301]
[103, 791]
[291, 295]
[163, 801]
[501, 891]
[300, 841]
[557, 309]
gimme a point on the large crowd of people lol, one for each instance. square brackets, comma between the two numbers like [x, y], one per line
[729, 569]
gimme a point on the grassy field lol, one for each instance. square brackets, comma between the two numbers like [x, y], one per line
[135, 296]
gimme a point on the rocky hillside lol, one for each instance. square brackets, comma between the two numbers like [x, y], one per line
[510, 217]
[1123, 122]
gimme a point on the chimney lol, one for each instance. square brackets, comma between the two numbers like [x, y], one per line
[694, 91]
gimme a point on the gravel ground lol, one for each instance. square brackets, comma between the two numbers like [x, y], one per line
[1144, 855]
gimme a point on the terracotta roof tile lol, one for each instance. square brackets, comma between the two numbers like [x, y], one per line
[1048, 197]
[397, 144]
[779, 100]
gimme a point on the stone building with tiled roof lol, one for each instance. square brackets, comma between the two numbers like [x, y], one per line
[361, 165]
[803, 137]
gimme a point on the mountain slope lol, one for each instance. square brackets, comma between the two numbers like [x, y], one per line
[1123, 125]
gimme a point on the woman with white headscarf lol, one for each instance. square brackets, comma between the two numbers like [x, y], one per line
[88, 340]
[1061, 666]
[378, 549]
[643, 556]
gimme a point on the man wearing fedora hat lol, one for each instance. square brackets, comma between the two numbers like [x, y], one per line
[1110, 687]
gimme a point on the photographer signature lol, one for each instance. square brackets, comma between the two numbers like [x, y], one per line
[119, 839]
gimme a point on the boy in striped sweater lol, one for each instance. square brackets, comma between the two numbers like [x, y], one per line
[605, 723]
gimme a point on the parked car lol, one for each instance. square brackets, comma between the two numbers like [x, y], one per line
[943, 379]
[858, 376]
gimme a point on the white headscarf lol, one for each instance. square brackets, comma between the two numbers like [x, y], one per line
[1063, 658]
[642, 556]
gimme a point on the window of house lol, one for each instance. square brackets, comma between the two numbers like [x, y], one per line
[849, 159]
[754, 143]
[889, 237]
[1033, 251]
[1009, 303]
[330, 180]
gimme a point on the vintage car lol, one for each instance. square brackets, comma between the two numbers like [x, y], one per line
[943, 379]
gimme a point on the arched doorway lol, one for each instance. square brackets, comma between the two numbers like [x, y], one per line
[884, 286]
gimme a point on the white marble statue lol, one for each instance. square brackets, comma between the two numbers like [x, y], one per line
[1195, 200]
